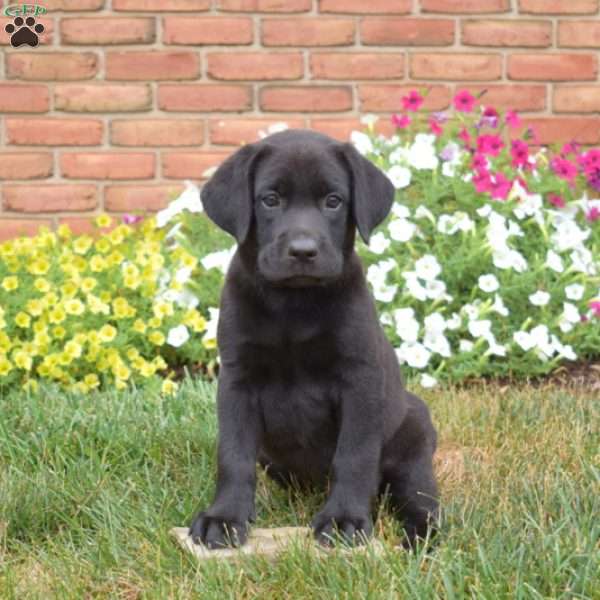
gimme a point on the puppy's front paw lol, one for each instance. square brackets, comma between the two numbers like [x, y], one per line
[354, 529]
[218, 532]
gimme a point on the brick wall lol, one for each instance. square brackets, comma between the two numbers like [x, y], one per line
[124, 99]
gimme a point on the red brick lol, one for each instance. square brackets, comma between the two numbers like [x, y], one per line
[161, 5]
[107, 165]
[396, 31]
[507, 33]
[45, 38]
[107, 30]
[471, 67]
[25, 165]
[577, 98]
[207, 30]
[355, 65]
[388, 98]
[16, 97]
[13, 228]
[56, 66]
[558, 7]
[102, 97]
[157, 132]
[130, 198]
[242, 131]
[341, 129]
[552, 67]
[550, 130]
[398, 7]
[255, 65]
[306, 98]
[49, 197]
[190, 165]
[465, 6]
[144, 66]
[307, 31]
[202, 97]
[510, 97]
[280, 6]
[579, 34]
[66, 5]
[54, 132]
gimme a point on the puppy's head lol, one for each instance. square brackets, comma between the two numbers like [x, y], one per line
[297, 197]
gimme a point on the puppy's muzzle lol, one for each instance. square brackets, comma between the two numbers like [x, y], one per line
[303, 248]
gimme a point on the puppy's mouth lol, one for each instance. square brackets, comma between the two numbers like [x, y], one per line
[301, 281]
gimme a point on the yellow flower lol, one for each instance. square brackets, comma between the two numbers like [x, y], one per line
[102, 245]
[96, 305]
[132, 281]
[50, 299]
[97, 263]
[57, 315]
[168, 387]
[74, 307]
[73, 349]
[91, 380]
[5, 365]
[105, 296]
[10, 283]
[147, 369]
[121, 371]
[107, 333]
[59, 332]
[64, 231]
[115, 258]
[132, 353]
[68, 289]
[34, 307]
[31, 385]
[79, 263]
[81, 387]
[195, 320]
[41, 285]
[209, 343]
[121, 307]
[154, 322]
[159, 362]
[82, 244]
[88, 284]
[116, 236]
[22, 360]
[103, 221]
[64, 359]
[23, 319]
[39, 267]
[120, 385]
[157, 261]
[93, 337]
[139, 326]
[162, 309]
[157, 338]
[42, 340]
[187, 260]
[131, 269]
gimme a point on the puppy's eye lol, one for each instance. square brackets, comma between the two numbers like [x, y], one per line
[271, 200]
[333, 201]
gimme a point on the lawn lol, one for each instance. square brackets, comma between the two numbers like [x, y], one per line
[90, 486]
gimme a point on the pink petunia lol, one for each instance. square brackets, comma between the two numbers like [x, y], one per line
[593, 214]
[500, 187]
[479, 162]
[464, 101]
[570, 148]
[595, 306]
[412, 101]
[435, 127]
[465, 136]
[556, 200]
[482, 181]
[564, 168]
[401, 121]
[512, 119]
[132, 219]
[490, 117]
[520, 153]
[489, 144]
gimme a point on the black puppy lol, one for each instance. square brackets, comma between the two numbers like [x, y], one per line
[309, 386]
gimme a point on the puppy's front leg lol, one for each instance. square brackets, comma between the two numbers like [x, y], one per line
[225, 522]
[355, 470]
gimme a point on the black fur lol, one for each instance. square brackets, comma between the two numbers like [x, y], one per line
[309, 386]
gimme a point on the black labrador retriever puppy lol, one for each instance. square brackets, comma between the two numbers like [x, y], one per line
[309, 386]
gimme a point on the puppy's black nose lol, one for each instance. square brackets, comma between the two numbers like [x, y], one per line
[303, 248]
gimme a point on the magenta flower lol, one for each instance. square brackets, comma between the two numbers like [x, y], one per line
[465, 136]
[413, 101]
[401, 121]
[556, 200]
[132, 219]
[435, 127]
[489, 144]
[512, 119]
[593, 214]
[564, 168]
[482, 182]
[500, 186]
[490, 117]
[570, 148]
[464, 101]
[595, 306]
[520, 153]
[479, 162]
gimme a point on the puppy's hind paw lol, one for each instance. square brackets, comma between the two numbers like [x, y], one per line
[217, 532]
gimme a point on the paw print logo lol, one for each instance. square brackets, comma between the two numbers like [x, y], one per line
[24, 32]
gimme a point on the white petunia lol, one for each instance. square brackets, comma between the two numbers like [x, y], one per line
[507, 258]
[488, 283]
[530, 206]
[564, 351]
[399, 155]
[438, 343]
[554, 261]
[480, 328]
[472, 310]
[183, 275]
[400, 211]
[273, 128]
[377, 275]
[574, 291]
[435, 323]
[571, 313]
[524, 340]
[428, 267]
[485, 211]
[362, 142]
[583, 261]
[399, 176]
[454, 322]
[495, 349]
[427, 381]
[499, 306]
[369, 120]
[541, 336]
[423, 212]
[569, 235]
[407, 327]
[178, 336]
[210, 334]
[436, 290]
[188, 200]
[385, 318]
[401, 230]
[422, 154]
[466, 345]
[378, 243]
[218, 260]
[415, 354]
[540, 298]
[414, 286]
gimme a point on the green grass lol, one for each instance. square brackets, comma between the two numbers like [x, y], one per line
[91, 485]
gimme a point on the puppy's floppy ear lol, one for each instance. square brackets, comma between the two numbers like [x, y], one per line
[227, 195]
[372, 191]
